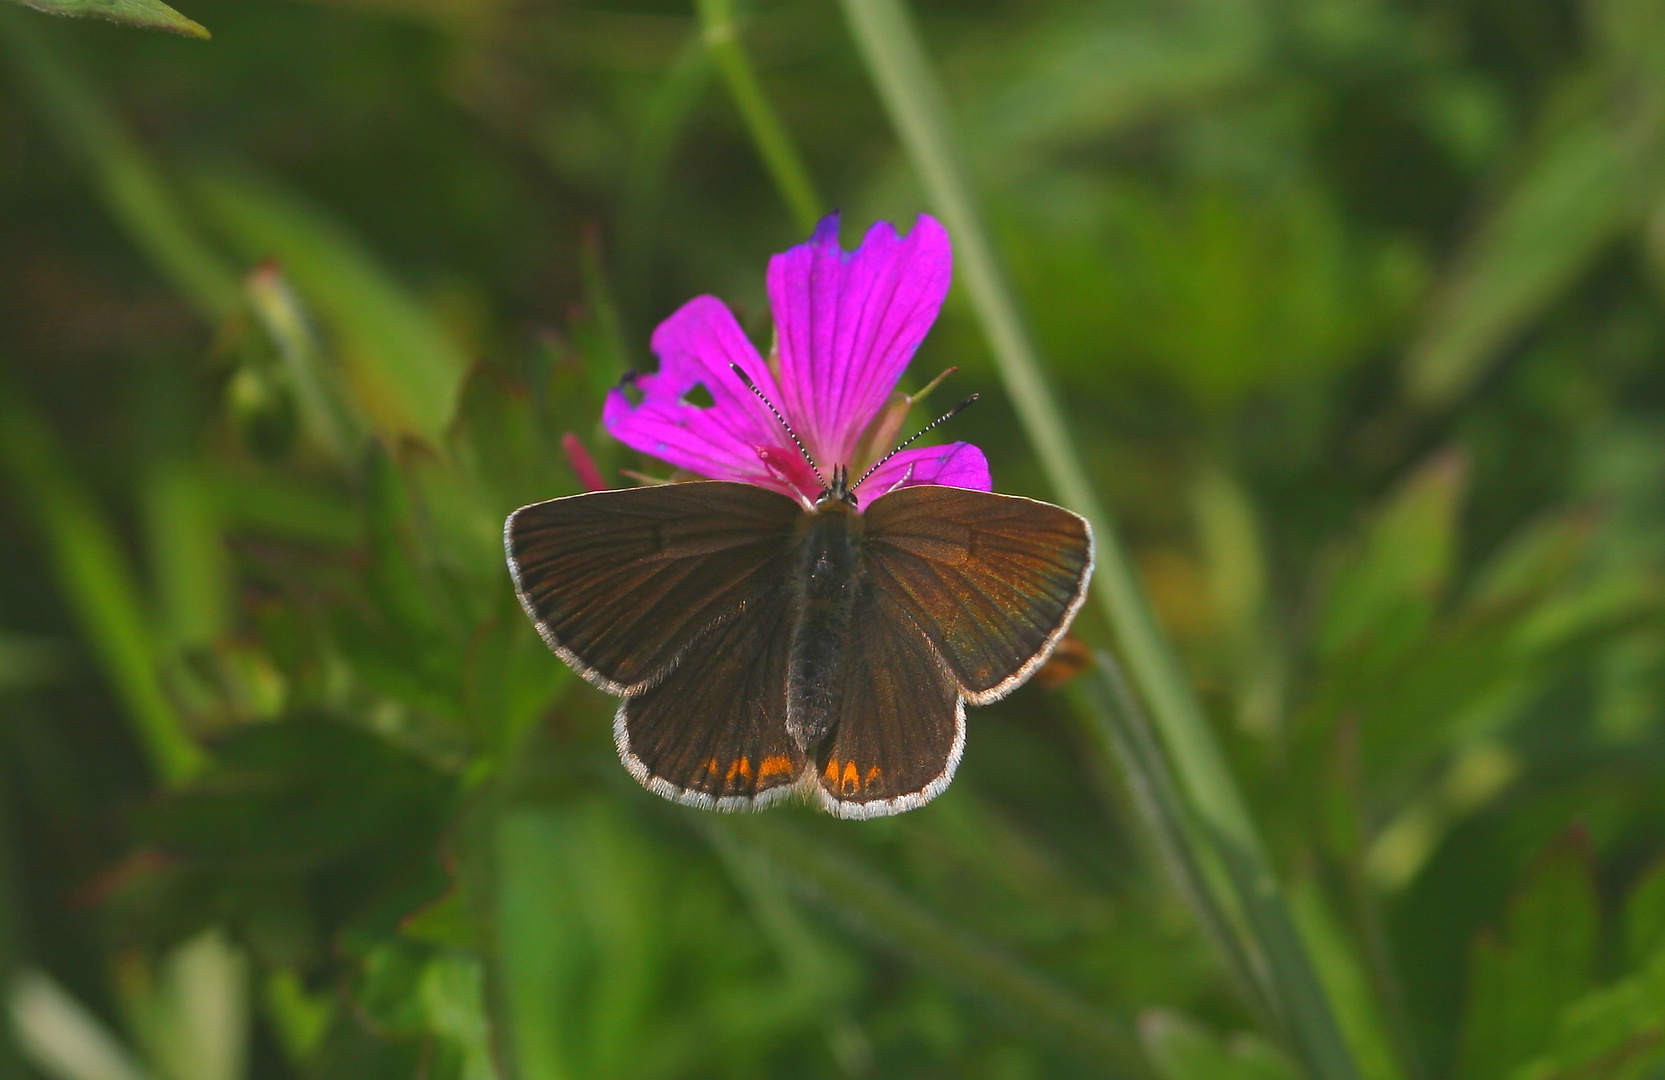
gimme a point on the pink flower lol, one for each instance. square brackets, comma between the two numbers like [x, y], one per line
[846, 325]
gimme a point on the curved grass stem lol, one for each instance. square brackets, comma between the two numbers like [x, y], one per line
[1228, 847]
[774, 145]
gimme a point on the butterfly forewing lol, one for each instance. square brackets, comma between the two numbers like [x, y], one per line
[898, 721]
[992, 580]
[619, 583]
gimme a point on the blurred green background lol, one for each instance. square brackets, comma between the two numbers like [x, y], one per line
[1356, 311]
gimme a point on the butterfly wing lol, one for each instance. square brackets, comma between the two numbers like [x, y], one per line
[962, 595]
[621, 583]
[678, 599]
[898, 723]
[712, 731]
[991, 580]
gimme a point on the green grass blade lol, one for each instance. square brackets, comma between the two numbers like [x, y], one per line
[1583, 189]
[190, 570]
[134, 190]
[1122, 733]
[852, 890]
[908, 87]
[62, 1037]
[779, 153]
[98, 582]
[147, 14]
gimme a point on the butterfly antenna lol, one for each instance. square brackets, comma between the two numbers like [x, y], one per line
[949, 415]
[799, 443]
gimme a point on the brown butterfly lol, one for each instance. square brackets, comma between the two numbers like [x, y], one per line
[765, 648]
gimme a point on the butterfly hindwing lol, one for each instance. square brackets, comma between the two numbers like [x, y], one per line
[898, 720]
[619, 583]
[991, 580]
[712, 731]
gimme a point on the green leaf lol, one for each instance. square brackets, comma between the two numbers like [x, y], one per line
[1181, 1050]
[405, 371]
[578, 944]
[1387, 594]
[1617, 1033]
[304, 793]
[190, 1011]
[149, 14]
[1544, 958]
[1586, 183]
[453, 996]
[97, 580]
[309, 834]
[1644, 915]
[187, 552]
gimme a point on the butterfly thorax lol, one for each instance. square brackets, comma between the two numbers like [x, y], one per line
[826, 583]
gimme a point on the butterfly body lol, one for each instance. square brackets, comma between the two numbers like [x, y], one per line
[763, 649]
[829, 577]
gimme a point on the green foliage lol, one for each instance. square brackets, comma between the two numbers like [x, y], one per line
[1543, 959]
[150, 14]
[404, 370]
[1618, 1031]
[1343, 322]
[1182, 1051]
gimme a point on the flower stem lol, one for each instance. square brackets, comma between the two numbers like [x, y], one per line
[1224, 834]
[780, 155]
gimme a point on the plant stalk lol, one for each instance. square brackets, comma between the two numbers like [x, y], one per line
[1230, 845]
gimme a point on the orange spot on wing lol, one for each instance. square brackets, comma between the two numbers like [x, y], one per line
[832, 770]
[873, 773]
[852, 778]
[741, 767]
[774, 765]
[711, 767]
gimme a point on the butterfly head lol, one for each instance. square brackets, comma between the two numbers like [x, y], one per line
[840, 490]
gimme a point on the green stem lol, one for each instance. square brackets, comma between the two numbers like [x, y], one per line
[896, 59]
[1121, 732]
[98, 582]
[775, 146]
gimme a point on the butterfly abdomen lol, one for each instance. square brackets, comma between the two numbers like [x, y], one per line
[826, 582]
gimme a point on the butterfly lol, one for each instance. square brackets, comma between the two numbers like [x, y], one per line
[766, 648]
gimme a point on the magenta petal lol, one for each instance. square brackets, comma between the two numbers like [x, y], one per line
[695, 346]
[954, 465]
[849, 323]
